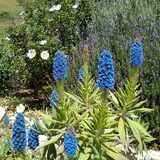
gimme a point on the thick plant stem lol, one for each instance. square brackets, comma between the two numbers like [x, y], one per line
[60, 89]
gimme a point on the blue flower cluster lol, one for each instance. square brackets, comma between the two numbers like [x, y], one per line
[54, 98]
[19, 133]
[136, 54]
[33, 140]
[6, 121]
[105, 79]
[60, 66]
[70, 144]
[81, 73]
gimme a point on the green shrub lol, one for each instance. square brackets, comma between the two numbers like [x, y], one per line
[13, 72]
[61, 29]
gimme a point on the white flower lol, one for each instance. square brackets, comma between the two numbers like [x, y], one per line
[75, 6]
[55, 8]
[44, 55]
[7, 38]
[20, 108]
[31, 53]
[2, 112]
[43, 42]
[42, 139]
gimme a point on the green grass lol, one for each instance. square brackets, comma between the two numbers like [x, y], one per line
[12, 8]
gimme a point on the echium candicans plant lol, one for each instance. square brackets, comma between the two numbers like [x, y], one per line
[54, 98]
[60, 73]
[33, 140]
[128, 108]
[83, 123]
[97, 126]
[105, 77]
[70, 144]
[19, 138]
[81, 73]
[60, 66]
[136, 52]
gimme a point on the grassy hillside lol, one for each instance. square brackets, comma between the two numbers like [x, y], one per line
[10, 6]
[9, 10]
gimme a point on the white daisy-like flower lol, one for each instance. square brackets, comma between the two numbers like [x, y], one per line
[55, 8]
[44, 55]
[43, 42]
[20, 108]
[31, 53]
[2, 113]
[75, 6]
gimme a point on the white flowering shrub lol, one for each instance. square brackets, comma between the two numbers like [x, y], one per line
[47, 26]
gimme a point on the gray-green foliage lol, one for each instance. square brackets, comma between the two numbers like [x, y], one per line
[115, 25]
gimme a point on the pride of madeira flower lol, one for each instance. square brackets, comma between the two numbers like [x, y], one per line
[81, 73]
[33, 140]
[70, 144]
[54, 98]
[136, 54]
[60, 66]
[105, 79]
[19, 133]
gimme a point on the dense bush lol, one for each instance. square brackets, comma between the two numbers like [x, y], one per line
[13, 72]
[61, 28]
[116, 24]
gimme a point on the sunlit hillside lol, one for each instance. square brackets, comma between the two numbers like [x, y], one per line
[9, 10]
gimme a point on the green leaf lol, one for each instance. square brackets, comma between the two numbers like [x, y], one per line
[143, 132]
[47, 119]
[115, 155]
[135, 131]
[114, 99]
[141, 110]
[121, 130]
[84, 156]
[138, 105]
[74, 97]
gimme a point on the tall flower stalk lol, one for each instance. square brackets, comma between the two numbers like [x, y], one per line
[105, 78]
[19, 140]
[60, 73]
[33, 140]
[136, 54]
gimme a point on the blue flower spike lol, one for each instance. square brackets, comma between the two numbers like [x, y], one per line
[33, 140]
[81, 73]
[70, 144]
[106, 75]
[19, 139]
[6, 121]
[60, 66]
[54, 98]
[136, 54]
